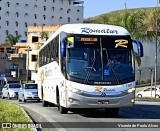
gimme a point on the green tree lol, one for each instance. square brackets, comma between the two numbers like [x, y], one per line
[133, 21]
[45, 35]
[154, 24]
[12, 40]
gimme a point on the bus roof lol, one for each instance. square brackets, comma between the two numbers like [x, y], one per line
[90, 29]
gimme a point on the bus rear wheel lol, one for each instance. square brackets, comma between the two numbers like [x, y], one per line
[44, 103]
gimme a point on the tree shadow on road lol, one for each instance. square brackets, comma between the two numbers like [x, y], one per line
[135, 112]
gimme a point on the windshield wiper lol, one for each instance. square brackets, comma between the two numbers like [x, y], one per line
[90, 68]
[110, 65]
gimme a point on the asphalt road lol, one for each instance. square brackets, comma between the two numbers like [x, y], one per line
[141, 113]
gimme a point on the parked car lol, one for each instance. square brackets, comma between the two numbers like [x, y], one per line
[149, 92]
[11, 90]
[28, 91]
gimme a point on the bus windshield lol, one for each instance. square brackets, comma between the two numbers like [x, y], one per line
[99, 62]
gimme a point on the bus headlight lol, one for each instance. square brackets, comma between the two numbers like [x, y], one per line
[75, 90]
[131, 90]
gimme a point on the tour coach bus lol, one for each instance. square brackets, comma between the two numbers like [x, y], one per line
[88, 66]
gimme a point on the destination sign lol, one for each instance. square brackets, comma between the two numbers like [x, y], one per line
[89, 39]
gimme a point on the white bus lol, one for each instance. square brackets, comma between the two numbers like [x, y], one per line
[88, 66]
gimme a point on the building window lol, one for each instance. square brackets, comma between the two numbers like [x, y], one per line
[7, 23]
[26, 24]
[17, 14]
[60, 17]
[25, 33]
[52, 17]
[68, 11]
[8, 4]
[17, 4]
[69, 19]
[53, 9]
[35, 24]
[16, 33]
[34, 58]
[53, 1]
[35, 6]
[78, 10]
[44, 17]
[44, 0]
[60, 9]
[77, 19]
[26, 14]
[7, 32]
[69, 2]
[44, 8]
[34, 38]
[26, 5]
[0, 8]
[7, 13]
[35, 16]
[62, 1]
[16, 23]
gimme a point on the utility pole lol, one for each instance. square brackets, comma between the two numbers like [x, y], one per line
[27, 63]
[157, 30]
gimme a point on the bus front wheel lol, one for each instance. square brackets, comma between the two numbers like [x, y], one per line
[61, 109]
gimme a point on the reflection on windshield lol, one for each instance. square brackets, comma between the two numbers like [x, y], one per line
[119, 61]
[14, 86]
[31, 86]
[86, 64]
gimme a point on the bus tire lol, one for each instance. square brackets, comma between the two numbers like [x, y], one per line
[61, 109]
[44, 103]
[112, 112]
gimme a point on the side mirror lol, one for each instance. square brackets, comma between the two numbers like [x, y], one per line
[139, 47]
[63, 47]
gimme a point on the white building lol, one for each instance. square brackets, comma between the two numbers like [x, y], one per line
[17, 15]
[143, 72]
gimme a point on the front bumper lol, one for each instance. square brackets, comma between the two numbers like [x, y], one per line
[78, 101]
[31, 97]
[14, 95]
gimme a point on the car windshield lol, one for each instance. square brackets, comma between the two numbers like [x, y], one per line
[99, 62]
[31, 86]
[14, 85]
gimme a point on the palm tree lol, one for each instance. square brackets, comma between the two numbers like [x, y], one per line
[12, 40]
[133, 21]
[154, 24]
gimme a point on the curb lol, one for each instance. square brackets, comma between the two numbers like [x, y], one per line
[29, 118]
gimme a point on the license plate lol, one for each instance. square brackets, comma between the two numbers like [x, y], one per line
[103, 101]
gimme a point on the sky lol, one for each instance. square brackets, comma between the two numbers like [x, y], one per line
[97, 7]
